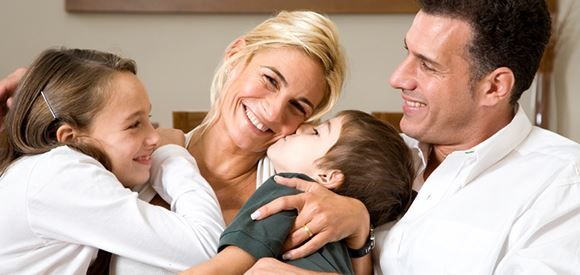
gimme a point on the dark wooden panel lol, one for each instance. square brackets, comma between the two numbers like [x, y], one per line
[241, 6]
[186, 121]
[389, 117]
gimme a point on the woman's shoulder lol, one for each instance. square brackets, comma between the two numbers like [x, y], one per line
[265, 170]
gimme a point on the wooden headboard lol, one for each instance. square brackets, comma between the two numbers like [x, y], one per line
[392, 118]
[185, 120]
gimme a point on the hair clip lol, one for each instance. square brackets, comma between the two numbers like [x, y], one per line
[48, 104]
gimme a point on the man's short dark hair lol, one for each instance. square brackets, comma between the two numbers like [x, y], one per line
[506, 33]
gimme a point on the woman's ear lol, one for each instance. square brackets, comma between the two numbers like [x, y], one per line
[330, 179]
[235, 47]
[65, 133]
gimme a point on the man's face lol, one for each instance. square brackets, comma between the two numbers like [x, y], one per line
[439, 106]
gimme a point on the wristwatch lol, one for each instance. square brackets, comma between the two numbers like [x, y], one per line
[366, 249]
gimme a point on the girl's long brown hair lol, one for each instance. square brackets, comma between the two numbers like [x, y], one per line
[75, 84]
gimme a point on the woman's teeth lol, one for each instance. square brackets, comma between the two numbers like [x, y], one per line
[255, 121]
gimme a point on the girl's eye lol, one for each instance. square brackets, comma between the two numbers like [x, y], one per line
[135, 125]
[315, 131]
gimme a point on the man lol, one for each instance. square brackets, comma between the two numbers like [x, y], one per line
[496, 195]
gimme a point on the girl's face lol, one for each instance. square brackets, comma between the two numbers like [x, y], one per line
[268, 98]
[123, 131]
[298, 152]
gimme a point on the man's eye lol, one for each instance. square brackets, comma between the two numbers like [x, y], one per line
[425, 66]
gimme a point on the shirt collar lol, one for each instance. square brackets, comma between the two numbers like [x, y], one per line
[488, 152]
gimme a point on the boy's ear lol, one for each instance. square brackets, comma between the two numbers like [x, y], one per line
[65, 133]
[330, 179]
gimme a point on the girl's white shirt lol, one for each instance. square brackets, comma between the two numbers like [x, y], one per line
[59, 207]
[123, 265]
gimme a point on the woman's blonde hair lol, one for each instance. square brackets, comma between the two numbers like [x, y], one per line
[308, 31]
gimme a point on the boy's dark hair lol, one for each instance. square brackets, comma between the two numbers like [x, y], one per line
[506, 33]
[377, 166]
[75, 84]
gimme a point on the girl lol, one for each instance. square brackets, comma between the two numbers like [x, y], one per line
[79, 132]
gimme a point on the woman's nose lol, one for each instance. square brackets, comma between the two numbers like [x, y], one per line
[304, 128]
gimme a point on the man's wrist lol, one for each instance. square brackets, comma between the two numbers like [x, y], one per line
[366, 248]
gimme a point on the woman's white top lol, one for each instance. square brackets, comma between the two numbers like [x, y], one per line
[59, 207]
[124, 265]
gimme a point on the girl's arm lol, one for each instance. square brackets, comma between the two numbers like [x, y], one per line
[78, 201]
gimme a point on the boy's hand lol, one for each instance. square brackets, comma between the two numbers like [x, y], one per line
[170, 136]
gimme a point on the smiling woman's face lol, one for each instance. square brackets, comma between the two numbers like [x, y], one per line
[270, 97]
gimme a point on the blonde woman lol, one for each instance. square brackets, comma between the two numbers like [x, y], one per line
[286, 71]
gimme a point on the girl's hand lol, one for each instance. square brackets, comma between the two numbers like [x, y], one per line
[170, 136]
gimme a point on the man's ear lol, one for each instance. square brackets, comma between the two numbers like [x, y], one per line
[66, 134]
[497, 86]
[235, 47]
[330, 179]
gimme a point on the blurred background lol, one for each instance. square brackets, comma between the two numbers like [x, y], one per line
[177, 54]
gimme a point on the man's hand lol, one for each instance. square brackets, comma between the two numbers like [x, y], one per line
[8, 87]
[328, 217]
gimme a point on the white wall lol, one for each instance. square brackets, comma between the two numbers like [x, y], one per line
[177, 54]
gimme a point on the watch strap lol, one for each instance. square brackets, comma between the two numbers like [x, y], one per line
[366, 249]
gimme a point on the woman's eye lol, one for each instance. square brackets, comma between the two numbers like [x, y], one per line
[315, 131]
[297, 106]
[271, 81]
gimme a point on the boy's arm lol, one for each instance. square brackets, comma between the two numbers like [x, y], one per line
[231, 260]
[363, 265]
[273, 266]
